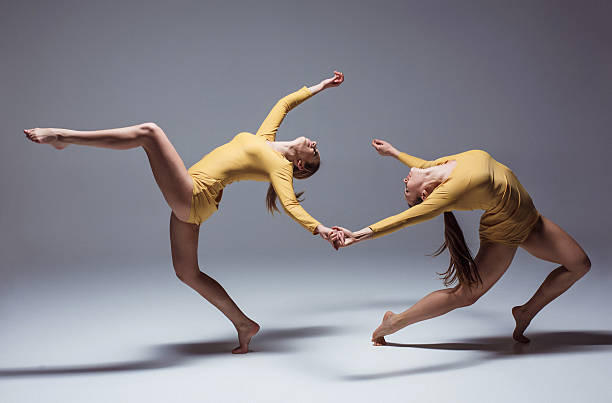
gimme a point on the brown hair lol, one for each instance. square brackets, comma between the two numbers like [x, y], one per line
[462, 268]
[309, 169]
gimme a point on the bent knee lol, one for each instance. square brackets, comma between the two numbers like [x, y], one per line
[466, 297]
[185, 274]
[581, 266]
[150, 131]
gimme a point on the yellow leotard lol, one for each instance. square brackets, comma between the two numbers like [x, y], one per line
[476, 182]
[249, 157]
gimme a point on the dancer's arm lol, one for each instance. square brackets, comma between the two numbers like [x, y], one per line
[334, 81]
[386, 149]
[270, 125]
[435, 204]
[282, 181]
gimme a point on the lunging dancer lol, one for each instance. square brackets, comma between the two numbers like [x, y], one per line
[468, 181]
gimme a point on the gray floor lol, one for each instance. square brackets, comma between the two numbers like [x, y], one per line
[132, 334]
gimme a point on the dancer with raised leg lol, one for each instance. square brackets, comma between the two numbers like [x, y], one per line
[194, 195]
[469, 181]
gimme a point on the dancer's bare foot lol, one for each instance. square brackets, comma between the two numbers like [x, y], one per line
[522, 321]
[45, 136]
[245, 332]
[380, 341]
[384, 329]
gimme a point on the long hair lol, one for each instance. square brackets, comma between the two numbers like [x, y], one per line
[310, 168]
[462, 268]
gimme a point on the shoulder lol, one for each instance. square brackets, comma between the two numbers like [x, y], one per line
[245, 135]
[481, 153]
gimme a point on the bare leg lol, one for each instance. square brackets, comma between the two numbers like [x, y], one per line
[549, 242]
[184, 243]
[167, 166]
[492, 260]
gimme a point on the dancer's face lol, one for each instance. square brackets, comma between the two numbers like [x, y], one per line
[414, 185]
[306, 150]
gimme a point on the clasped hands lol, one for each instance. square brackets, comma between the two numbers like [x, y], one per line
[338, 237]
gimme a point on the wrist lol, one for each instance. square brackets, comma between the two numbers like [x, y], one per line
[316, 88]
[362, 234]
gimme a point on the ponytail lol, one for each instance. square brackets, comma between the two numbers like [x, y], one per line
[462, 268]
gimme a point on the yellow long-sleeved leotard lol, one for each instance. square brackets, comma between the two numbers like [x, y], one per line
[476, 182]
[249, 157]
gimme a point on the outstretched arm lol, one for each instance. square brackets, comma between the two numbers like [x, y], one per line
[387, 150]
[436, 203]
[272, 122]
[334, 81]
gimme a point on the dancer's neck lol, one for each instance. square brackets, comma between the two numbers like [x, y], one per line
[434, 176]
[286, 148]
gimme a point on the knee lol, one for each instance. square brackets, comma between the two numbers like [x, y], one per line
[465, 296]
[150, 131]
[582, 265]
[185, 274]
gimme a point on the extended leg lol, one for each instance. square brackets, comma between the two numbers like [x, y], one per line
[549, 242]
[492, 260]
[167, 166]
[184, 243]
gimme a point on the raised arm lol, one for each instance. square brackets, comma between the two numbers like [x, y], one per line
[272, 122]
[386, 149]
[334, 81]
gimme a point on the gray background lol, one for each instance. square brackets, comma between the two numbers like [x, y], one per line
[529, 82]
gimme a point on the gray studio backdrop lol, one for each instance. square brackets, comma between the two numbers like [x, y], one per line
[530, 82]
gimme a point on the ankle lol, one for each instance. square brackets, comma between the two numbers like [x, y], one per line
[244, 325]
[523, 311]
[61, 134]
[394, 320]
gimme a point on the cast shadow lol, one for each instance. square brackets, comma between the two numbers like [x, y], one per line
[499, 347]
[169, 355]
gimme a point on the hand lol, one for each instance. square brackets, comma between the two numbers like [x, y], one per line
[335, 81]
[341, 237]
[325, 233]
[385, 149]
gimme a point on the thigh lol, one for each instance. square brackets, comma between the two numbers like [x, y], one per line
[548, 241]
[184, 245]
[170, 173]
[492, 261]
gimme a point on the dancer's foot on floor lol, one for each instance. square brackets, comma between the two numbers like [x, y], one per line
[384, 329]
[45, 136]
[245, 333]
[380, 341]
[522, 321]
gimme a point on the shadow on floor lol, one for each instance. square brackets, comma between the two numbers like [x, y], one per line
[169, 355]
[501, 347]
